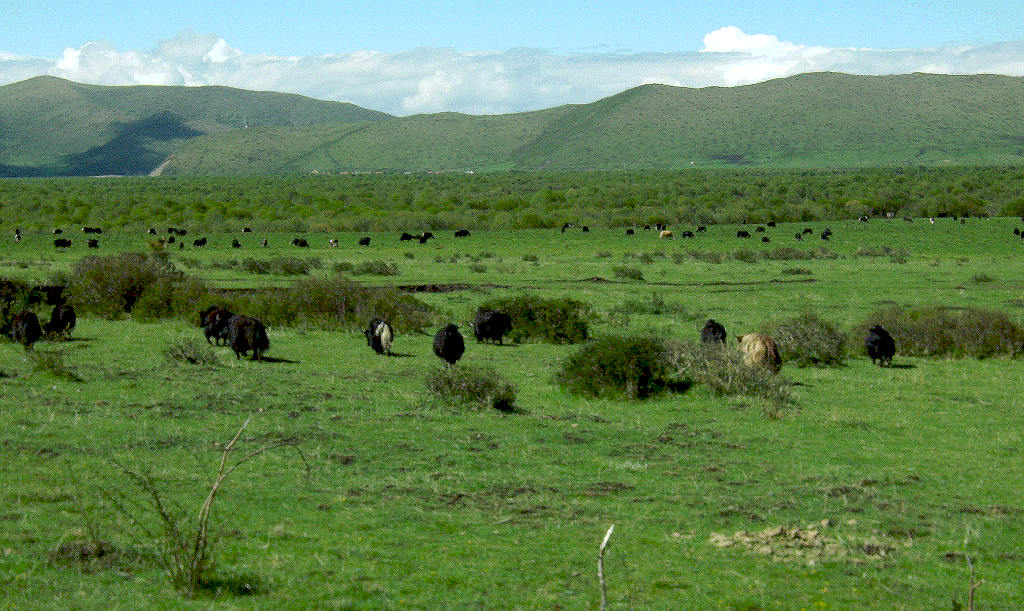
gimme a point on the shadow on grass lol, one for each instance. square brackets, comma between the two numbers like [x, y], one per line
[270, 359]
[903, 366]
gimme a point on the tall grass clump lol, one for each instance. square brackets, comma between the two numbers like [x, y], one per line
[628, 272]
[809, 341]
[655, 305]
[189, 351]
[556, 321]
[281, 266]
[614, 366]
[375, 268]
[723, 371]
[475, 386]
[945, 331]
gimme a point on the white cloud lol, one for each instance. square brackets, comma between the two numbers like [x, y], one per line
[485, 82]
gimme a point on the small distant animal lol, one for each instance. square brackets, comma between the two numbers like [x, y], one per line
[426, 235]
[25, 328]
[300, 242]
[798, 236]
[760, 351]
[58, 231]
[246, 229]
[1016, 231]
[908, 219]
[585, 229]
[405, 237]
[91, 230]
[702, 228]
[264, 242]
[647, 227]
[364, 241]
[379, 336]
[713, 332]
[62, 320]
[92, 243]
[687, 234]
[864, 219]
[770, 223]
[462, 233]
[246, 333]
[152, 231]
[666, 235]
[807, 230]
[765, 239]
[181, 232]
[566, 226]
[742, 234]
[825, 235]
[200, 242]
[333, 243]
[449, 345]
[170, 239]
[62, 243]
[760, 229]
[880, 345]
[491, 325]
[236, 244]
[630, 232]
[214, 321]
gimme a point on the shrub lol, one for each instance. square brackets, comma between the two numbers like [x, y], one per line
[945, 331]
[282, 266]
[723, 371]
[342, 267]
[656, 306]
[52, 362]
[533, 258]
[982, 277]
[478, 268]
[797, 271]
[745, 255]
[603, 254]
[787, 253]
[634, 367]
[111, 285]
[628, 272]
[376, 268]
[698, 255]
[808, 340]
[556, 321]
[189, 351]
[482, 387]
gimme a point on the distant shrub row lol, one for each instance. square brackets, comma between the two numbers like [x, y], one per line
[747, 255]
[280, 266]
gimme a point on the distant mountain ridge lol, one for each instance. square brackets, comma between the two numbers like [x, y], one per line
[51, 126]
[809, 120]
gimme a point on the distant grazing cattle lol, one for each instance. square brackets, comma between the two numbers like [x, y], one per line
[92, 243]
[492, 326]
[647, 227]
[91, 230]
[702, 228]
[406, 237]
[864, 219]
[264, 242]
[236, 244]
[760, 351]
[25, 328]
[687, 234]
[198, 243]
[825, 235]
[666, 235]
[300, 242]
[770, 223]
[423, 237]
[58, 231]
[379, 336]
[585, 228]
[246, 229]
[880, 345]
[462, 233]
[807, 230]
[566, 226]
[908, 219]
[742, 234]
[1016, 231]
[364, 241]
[713, 332]
[798, 236]
[62, 320]
[171, 230]
[449, 345]
[170, 239]
[214, 321]
[630, 232]
[766, 239]
[62, 243]
[760, 229]
[246, 333]
[181, 232]
[152, 231]
[333, 243]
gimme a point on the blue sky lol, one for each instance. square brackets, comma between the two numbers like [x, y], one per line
[482, 57]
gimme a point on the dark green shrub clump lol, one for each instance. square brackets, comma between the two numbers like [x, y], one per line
[282, 266]
[556, 321]
[723, 371]
[628, 272]
[192, 352]
[946, 331]
[481, 387]
[376, 268]
[634, 367]
[808, 340]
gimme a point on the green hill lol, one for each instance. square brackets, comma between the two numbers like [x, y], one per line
[809, 120]
[50, 126]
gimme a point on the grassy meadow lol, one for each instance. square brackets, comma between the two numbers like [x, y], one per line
[373, 494]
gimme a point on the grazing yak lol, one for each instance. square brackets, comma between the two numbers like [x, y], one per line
[246, 333]
[760, 229]
[742, 234]
[630, 232]
[449, 345]
[687, 234]
[491, 325]
[200, 242]
[236, 244]
[462, 233]
[406, 237]
[880, 345]
[92, 243]
[215, 321]
[62, 243]
[807, 230]
[713, 332]
[300, 242]
[423, 237]
[379, 336]
[365, 241]
[91, 230]
[25, 328]
[760, 351]
[62, 320]
[766, 239]
[666, 235]
[798, 236]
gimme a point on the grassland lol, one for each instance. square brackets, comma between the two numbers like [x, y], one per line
[397, 501]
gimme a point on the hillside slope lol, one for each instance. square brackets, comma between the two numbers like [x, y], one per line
[52, 126]
[809, 120]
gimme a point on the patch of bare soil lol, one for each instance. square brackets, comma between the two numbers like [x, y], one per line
[812, 544]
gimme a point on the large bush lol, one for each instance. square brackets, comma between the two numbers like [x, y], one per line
[945, 331]
[146, 285]
[723, 371]
[634, 367]
[557, 321]
[809, 340]
[474, 386]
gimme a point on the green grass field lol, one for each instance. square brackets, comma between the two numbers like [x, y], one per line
[382, 497]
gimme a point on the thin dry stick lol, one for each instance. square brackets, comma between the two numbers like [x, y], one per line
[974, 586]
[600, 566]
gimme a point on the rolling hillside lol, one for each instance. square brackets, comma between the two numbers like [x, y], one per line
[50, 126]
[810, 120]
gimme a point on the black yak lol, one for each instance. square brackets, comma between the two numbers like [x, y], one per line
[62, 243]
[491, 325]
[200, 242]
[215, 321]
[426, 235]
[300, 242]
[462, 233]
[364, 241]
[25, 328]
[62, 320]
[236, 244]
[92, 243]
[406, 237]
[712, 332]
[379, 336]
[246, 333]
[630, 232]
[449, 345]
[742, 234]
[880, 345]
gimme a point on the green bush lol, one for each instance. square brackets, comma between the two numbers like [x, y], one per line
[634, 367]
[282, 266]
[111, 286]
[808, 340]
[746, 255]
[723, 371]
[656, 306]
[628, 272]
[376, 268]
[556, 321]
[192, 352]
[482, 387]
[945, 331]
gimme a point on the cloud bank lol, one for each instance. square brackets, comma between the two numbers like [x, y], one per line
[491, 82]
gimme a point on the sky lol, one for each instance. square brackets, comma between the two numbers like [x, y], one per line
[486, 57]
